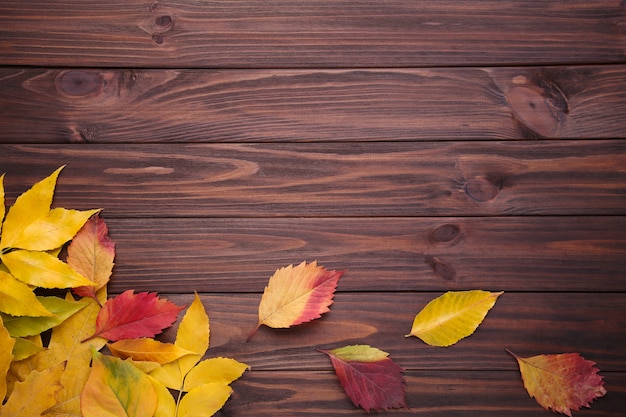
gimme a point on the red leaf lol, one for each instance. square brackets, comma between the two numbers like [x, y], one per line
[131, 315]
[369, 377]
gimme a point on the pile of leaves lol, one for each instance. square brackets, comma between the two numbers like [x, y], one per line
[67, 349]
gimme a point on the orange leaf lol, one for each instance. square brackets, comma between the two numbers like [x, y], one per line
[295, 295]
[561, 382]
[91, 253]
[369, 377]
[131, 315]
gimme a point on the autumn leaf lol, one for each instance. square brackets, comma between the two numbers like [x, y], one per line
[116, 388]
[369, 377]
[26, 347]
[214, 371]
[6, 357]
[204, 401]
[131, 315]
[34, 395]
[91, 253]
[561, 382]
[296, 295]
[146, 349]
[453, 316]
[18, 299]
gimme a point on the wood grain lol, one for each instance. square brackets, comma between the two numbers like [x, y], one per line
[364, 179]
[138, 105]
[429, 393]
[320, 33]
[380, 254]
[527, 323]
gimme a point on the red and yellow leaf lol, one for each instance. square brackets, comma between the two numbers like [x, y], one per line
[131, 315]
[116, 388]
[296, 295]
[369, 377]
[91, 253]
[561, 382]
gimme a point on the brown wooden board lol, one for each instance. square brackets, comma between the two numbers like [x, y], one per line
[138, 105]
[364, 179]
[379, 254]
[528, 323]
[320, 33]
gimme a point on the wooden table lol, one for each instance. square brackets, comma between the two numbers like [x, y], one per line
[421, 146]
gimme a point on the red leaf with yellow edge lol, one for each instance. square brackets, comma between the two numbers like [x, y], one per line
[561, 382]
[369, 377]
[91, 253]
[295, 295]
[131, 315]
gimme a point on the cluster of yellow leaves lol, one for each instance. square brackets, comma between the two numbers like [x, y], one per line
[69, 376]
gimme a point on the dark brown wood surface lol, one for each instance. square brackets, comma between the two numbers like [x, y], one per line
[420, 146]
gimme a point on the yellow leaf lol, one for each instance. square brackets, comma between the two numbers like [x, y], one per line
[52, 231]
[166, 406]
[6, 357]
[28, 207]
[193, 335]
[452, 316]
[35, 395]
[42, 270]
[204, 401]
[18, 299]
[146, 349]
[2, 206]
[116, 388]
[25, 348]
[30, 326]
[214, 370]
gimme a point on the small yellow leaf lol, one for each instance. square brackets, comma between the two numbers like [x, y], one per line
[18, 299]
[146, 349]
[116, 388]
[453, 316]
[42, 270]
[35, 395]
[193, 335]
[166, 406]
[25, 348]
[204, 401]
[28, 207]
[6, 357]
[214, 370]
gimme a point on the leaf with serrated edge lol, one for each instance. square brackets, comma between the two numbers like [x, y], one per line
[35, 395]
[204, 401]
[453, 316]
[296, 295]
[561, 382]
[18, 299]
[6, 357]
[369, 377]
[193, 335]
[214, 370]
[146, 349]
[117, 388]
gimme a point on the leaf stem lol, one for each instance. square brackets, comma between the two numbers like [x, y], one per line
[253, 332]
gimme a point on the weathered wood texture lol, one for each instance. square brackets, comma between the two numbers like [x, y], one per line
[122, 105]
[338, 179]
[421, 146]
[320, 33]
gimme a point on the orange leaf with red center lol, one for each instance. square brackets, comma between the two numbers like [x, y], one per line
[369, 377]
[131, 315]
[91, 253]
[561, 382]
[295, 295]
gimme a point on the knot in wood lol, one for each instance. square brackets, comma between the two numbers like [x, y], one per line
[440, 268]
[481, 189]
[77, 83]
[446, 233]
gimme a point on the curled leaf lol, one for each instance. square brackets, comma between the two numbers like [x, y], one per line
[453, 316]
[296, 295]
[369, 377]
[561, 382]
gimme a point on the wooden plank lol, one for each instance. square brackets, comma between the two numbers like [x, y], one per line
[430, 393]
[388, 254]
[320, 33]
[364, 179]
[526, 323]
[125, 105]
